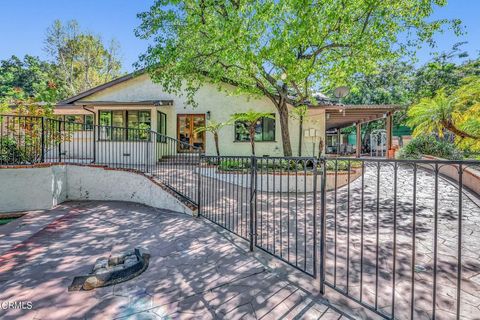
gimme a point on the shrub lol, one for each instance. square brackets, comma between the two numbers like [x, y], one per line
[233, 165]
[429, 145]
[263, 165]
[10, 153]
[342, 165]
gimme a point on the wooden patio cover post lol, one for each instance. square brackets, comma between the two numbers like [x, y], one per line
[389, 131]
[359, 139]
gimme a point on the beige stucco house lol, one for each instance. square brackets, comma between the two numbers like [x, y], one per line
[134, 100]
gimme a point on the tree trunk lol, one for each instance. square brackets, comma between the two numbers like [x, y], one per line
[217, 148]
[252, 137]
[300, 137]
[320, 148]
[451, 127]
[283, 112]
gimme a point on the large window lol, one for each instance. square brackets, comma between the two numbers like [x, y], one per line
[77, 122]
[125, 124]
[161, 126]
[264, 130]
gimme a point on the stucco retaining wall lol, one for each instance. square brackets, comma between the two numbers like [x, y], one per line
[470, 178]
[283, 182]
[32, 188]
[36, 188]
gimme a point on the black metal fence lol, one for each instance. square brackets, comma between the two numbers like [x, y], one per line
[399, 237]
[269, 201]
[28, 140]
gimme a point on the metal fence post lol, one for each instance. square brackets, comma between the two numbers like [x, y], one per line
[315, 189]
[42, 156]
[59, 141]
[199, 182]
[323, 220]
[95, 128]
[253, 193]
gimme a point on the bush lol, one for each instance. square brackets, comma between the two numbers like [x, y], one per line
[263, 165]
[10, 153]
[233, 165]
[429, 145]
[342, 165]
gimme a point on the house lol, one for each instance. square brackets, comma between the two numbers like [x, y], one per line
[134, 101]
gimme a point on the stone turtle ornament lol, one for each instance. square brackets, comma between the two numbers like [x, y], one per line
[113, 270]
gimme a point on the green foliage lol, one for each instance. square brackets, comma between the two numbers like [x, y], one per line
[429, 145]
[6, 220]
[342, 165]
[79, 61]
[214, 128]
[443, 73]
[10, 152]
[262, 165]
[25, 78]
[391, 83]
[211, 126]
[249, 120]
[458, 113]
[299, 113]
[285, 50]
[233, 165]
[81, 58]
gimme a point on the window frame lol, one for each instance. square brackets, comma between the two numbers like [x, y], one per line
[161, 136]
[262, 125]
[125, 125]
[77, 126]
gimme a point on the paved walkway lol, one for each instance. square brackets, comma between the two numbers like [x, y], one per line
[194, 272]
[284, 227]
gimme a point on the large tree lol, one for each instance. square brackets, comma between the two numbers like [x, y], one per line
[25, 78]
[283, 49]
[82, 59]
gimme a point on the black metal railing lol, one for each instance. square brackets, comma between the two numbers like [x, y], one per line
[398, 237]
[269, 201]
[30, 140]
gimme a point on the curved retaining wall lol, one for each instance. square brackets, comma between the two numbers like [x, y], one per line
[44, 186]
[470, 178]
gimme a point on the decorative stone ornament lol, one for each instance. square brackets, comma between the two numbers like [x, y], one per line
[113, 270]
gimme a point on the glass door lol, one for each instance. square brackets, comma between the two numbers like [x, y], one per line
[186, 132]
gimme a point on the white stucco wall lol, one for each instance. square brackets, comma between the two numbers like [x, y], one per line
[23, 189]
[221, 106]
[32, 188]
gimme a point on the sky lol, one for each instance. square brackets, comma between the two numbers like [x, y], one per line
[23, 24]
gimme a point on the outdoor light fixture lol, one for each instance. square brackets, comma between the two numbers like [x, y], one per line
[208, 115]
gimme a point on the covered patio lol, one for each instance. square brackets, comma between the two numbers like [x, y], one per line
[338, 117]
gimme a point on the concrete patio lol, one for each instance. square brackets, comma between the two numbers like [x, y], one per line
[194, 272]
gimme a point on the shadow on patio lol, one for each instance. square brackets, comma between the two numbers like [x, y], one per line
[194, 272]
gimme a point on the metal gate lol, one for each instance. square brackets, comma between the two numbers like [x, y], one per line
[397, 236]
[271, 202]
[390, 232]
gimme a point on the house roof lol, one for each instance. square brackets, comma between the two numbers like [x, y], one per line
[101, 87]
[337, 115]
